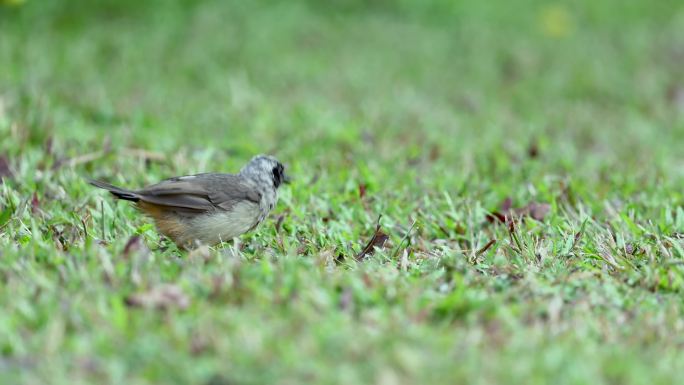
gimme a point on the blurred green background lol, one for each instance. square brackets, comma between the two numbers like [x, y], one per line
[257, 76]
[430, 111]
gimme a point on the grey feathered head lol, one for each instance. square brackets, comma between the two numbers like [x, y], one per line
[266, 168]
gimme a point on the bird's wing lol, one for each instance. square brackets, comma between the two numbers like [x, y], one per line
[201, 192]
[227, 190]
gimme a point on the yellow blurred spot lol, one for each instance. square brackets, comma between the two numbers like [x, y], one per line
[556, 21]
[12, 2]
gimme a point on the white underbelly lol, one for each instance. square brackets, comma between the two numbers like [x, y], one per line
[225, 225]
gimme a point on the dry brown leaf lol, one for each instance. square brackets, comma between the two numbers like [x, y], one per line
[533, 150]
[35, 204]
[362, 190]
[507, 214]
[378, 240]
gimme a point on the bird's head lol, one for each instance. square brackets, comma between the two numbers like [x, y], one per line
[266, 168]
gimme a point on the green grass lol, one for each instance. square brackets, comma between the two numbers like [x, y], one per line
[439, 111]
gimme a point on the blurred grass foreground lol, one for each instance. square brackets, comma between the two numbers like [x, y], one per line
[524, 157]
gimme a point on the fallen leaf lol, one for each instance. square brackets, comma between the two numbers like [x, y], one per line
[576, 239]
[162, 297]
[507, 204]
[35, 204]
[362, 190]
[378, 240]
[534, 210]
[533, 150]
[502, 215]
[497, 216]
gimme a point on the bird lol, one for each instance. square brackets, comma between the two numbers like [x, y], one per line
[209, 208]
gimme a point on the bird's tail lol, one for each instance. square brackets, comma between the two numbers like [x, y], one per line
[116, 191]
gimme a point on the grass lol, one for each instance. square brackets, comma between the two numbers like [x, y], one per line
[430, 114]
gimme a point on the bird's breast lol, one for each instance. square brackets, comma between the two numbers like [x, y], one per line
[212, 228]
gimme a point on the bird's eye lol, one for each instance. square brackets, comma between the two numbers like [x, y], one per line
[277, 176]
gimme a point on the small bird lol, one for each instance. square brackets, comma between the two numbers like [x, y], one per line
[209, 208]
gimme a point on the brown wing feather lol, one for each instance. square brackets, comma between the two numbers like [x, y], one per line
[201, 192]
[179, 201]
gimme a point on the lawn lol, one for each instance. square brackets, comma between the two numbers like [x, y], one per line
[524, 159]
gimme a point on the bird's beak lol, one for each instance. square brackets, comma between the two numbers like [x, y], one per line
[286, 179]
